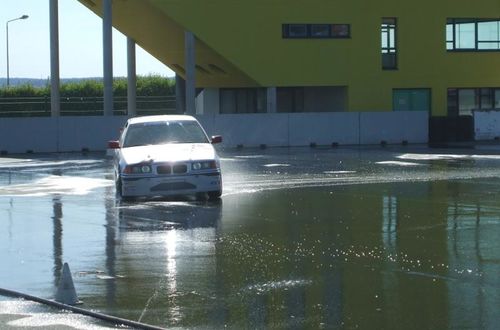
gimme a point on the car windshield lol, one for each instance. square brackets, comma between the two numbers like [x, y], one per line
[164, 132]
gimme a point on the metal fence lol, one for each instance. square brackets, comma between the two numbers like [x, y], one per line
[84, 106]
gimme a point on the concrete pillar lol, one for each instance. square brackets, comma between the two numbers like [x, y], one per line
[131, 78]
[55, 99]
[189, 48]
[107, 40]
[271, 100]
[180, 94]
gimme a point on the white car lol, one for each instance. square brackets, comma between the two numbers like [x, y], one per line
[164, 156]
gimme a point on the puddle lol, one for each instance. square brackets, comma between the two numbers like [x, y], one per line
[19, 314]
[343, 239]
[52, 185]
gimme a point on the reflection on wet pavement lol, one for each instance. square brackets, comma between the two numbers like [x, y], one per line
[26, 315]
[336, 238]
[55, 185]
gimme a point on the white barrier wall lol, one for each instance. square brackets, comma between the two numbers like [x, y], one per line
[394, 127]
[486, 125]
[302, 129]
[64, 134]
[248, 129]
[323, 128]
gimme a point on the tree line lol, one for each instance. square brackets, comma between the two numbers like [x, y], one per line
[151, 85]
[155, 95]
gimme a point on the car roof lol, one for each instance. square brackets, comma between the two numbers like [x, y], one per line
[160, 118]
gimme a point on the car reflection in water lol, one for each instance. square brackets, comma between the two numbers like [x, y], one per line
[161, 215]
[159, 258]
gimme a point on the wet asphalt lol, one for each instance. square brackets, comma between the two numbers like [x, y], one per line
[363, 237]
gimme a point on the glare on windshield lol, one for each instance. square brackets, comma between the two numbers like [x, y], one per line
[153, 133]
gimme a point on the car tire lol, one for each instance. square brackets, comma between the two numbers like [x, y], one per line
[200, 197]
[119, 191]
[214, 195]
[118, 186]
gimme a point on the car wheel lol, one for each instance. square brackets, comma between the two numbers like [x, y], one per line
[214, 195]
[119, 191]
[200, 197]
[118, 186]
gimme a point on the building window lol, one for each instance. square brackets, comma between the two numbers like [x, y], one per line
[295, 30]
[311, 99]
[486, 98]
[471, 34]
[243, 100]
[389, 50]
[411, 99]
[463, 101]
[316, 31]
[467, 101]
[320, 30]
[290, 99]
[341, 30]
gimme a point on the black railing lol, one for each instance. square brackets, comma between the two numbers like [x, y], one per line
[84, 106]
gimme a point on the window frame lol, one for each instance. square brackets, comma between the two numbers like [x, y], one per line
[421, 89]
[287, 31]
[248, 97]
[309, 27]
[385, 28]
[454, 22]
[453, 96]
[296, 96]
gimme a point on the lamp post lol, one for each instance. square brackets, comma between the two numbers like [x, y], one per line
[7, 38]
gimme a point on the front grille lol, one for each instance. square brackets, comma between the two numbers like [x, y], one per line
[164, 169]
[179, 168]
[172, 169]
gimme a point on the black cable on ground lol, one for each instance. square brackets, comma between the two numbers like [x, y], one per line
[104, 317]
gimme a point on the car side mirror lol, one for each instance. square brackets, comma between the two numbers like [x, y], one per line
[216, 139]
[113, 145]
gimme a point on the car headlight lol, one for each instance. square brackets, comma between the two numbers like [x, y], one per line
[137, 169]
[205, 165]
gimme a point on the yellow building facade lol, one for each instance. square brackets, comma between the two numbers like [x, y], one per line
[329, 55]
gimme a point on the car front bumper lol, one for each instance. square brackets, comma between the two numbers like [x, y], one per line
[187, 184]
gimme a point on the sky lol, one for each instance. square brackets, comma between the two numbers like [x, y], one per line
[80, 43]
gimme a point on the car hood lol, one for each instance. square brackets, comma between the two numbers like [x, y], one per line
[167, 153]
